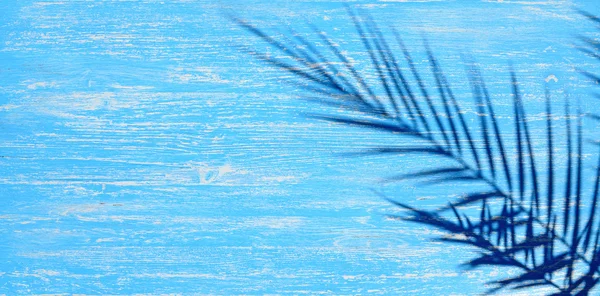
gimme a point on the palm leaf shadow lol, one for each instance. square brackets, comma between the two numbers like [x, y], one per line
[542, 231]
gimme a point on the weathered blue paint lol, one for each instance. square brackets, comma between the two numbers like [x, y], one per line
[142, 152]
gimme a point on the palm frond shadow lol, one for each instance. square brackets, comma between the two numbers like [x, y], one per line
[525, 219]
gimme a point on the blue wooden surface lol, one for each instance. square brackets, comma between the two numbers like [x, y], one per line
[142, 152]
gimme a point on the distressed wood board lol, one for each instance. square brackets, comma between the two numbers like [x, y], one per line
[142, 152]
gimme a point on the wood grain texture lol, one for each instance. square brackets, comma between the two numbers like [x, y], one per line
[141, 152]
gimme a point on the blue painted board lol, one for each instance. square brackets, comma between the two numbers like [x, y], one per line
[142, 152]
